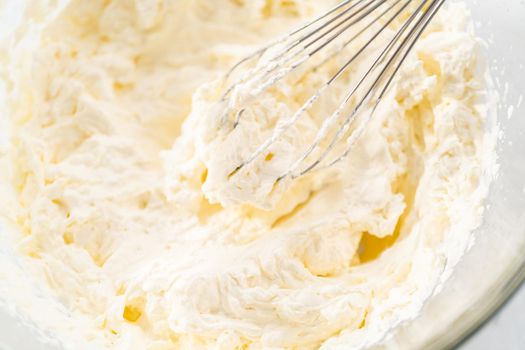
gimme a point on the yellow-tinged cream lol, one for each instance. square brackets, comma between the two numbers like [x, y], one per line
[121, 205]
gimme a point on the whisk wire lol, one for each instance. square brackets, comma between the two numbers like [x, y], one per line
[415, 35]
[298, 48]
[370, 92]
[330, 120]
[287, 54]
[283, 126]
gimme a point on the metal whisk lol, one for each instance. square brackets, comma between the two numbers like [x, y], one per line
[326, 37]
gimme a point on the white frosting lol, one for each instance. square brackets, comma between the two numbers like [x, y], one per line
[120, 200]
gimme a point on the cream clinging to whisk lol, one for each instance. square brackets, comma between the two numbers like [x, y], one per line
[309, 48]
[151, 252]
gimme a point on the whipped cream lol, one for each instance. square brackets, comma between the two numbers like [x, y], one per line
[120, 205]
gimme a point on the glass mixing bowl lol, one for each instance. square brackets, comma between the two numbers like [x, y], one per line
[495, 265]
